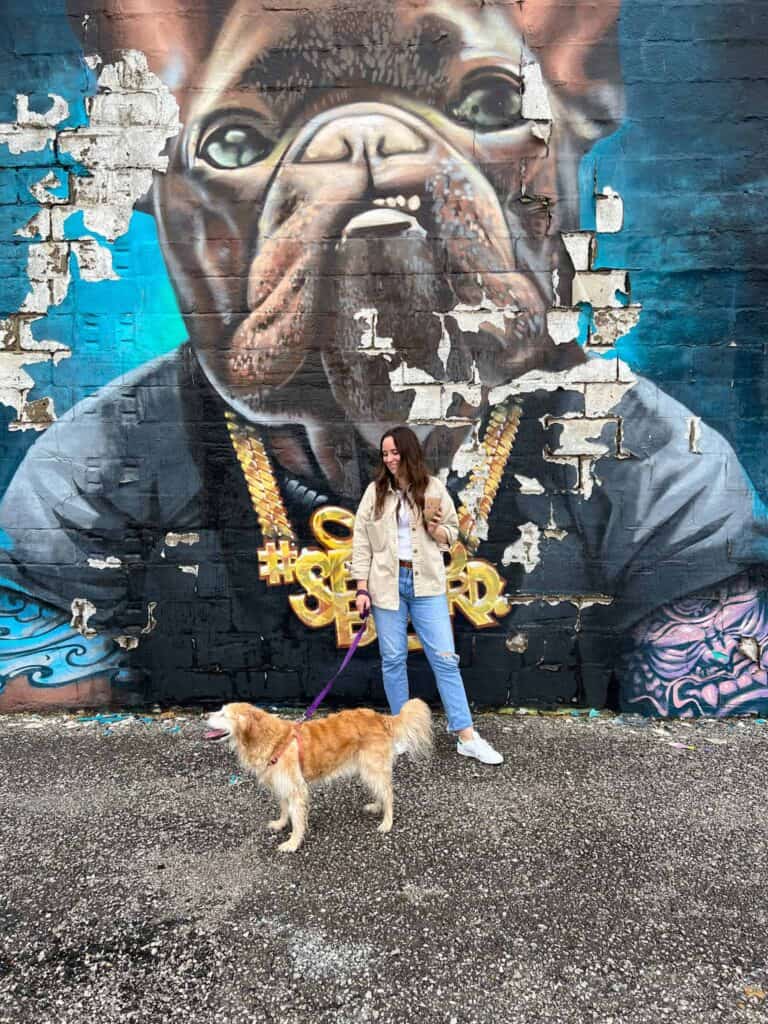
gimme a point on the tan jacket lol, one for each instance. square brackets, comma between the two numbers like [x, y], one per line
[374, 547]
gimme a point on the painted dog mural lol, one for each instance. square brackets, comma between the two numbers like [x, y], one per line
[370, 215]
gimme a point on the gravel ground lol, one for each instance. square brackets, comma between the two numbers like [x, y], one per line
[611, 871]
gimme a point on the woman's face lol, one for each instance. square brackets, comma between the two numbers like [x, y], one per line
[390, 455]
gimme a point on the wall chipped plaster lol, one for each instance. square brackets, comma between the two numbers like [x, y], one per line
[525, 549]
[82, 610]
[130, 120]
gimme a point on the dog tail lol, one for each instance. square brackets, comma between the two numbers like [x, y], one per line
[412, 729]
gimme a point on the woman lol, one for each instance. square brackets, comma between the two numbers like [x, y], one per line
[398, 563]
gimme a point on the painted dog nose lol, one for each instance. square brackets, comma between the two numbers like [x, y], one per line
[359, 134]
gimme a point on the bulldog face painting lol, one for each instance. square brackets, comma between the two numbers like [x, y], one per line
[360, 201]
[370, 215]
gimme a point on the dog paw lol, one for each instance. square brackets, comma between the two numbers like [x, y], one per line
[385, 826]
[289, 846]
[277, 825]
[372, 808]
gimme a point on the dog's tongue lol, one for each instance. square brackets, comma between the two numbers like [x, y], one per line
[214, 734]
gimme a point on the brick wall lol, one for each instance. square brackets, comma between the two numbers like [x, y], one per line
[530, 231]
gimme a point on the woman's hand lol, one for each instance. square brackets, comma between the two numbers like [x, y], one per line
[362, 603]
[433, 526]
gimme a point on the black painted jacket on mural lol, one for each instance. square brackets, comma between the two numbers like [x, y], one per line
[89, 512]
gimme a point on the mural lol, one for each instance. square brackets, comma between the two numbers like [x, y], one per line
[369, 214]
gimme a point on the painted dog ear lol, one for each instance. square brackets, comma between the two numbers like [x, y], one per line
[576, 43]
[173, 35]
[575, 40]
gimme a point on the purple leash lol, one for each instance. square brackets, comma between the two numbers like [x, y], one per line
[347, 658]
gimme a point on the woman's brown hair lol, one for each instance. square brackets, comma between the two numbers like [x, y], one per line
[412, 467]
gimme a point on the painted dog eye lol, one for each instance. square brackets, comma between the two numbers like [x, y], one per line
[234, 145]
[488, 103]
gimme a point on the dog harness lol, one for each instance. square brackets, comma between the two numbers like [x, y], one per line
[296, 735]
[296, 727]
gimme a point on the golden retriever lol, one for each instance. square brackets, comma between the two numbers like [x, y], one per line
[287, 756]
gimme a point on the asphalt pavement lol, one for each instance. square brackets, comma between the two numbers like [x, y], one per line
[612, 870]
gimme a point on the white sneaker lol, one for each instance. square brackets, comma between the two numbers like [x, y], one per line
[480, 749]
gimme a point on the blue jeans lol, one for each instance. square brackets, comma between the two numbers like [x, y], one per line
[432, 623]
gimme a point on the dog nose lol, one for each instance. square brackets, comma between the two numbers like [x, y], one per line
[358, 136]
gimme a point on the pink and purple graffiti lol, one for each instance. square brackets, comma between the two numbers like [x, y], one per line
[702, 655]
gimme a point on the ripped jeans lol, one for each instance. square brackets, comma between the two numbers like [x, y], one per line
[432, 623]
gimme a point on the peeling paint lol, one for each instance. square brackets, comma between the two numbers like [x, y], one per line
[600, 399]
[151, 623]
[444, 345]
[587, 477]
[608, 325]
[36, 414]
[693, 426]
[433, 398]
[371, 342]
[94, 260]
[535, 105]
[120, 165]
[542, 130]
[82, 610]
[609, 211]
[468, 455]
[38, 226]
[271, 283]
[594, 370]
[49, 276]
[517, 643]
[110, 562]
[40, 190]
[600, 287]
[470, 497]
[580, 246]
[19, 349]
[172, 539]
[580, 602]
[522, 598]
[529, 485]
[472, 319]
[603, 382]
[583, 467]
[128, 643]
[59, 111]
[552, 530]
[750, 647]
[525, 551]
[32, 132]
[563, 325]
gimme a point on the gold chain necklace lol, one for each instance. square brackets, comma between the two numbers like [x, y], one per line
[484, 478]
[475, 587]
[486, 475]
[260, 480]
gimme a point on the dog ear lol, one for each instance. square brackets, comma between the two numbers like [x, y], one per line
[247, 720]
[575, 40]
[174, 36]
[247, 716]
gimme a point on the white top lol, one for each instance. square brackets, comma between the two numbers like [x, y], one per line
[404, 548]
